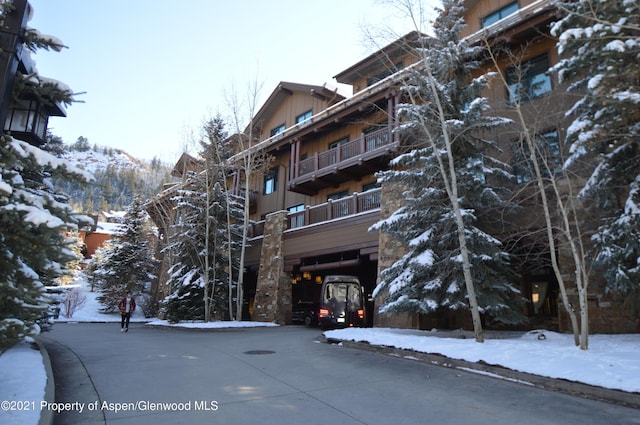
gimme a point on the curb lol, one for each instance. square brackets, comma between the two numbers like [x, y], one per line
[498, 372]
[46, 415]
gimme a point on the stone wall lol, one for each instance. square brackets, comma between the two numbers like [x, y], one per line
[273, 290]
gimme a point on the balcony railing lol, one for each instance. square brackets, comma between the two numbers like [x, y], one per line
[345, 151]
[331, 210]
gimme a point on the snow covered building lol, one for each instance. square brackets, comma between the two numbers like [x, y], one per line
[312, 211]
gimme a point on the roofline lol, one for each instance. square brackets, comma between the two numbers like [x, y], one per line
[314, 90]
[331, 110]
[533, 9]
[385, 52]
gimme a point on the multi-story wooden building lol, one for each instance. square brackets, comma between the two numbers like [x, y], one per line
[314, 207]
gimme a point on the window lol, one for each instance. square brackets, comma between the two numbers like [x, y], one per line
[303, 117]
[337, 195]
[271, 181]
[277, 130]
[296, 220]
[499, 14]
[548, 154]
[340, 207]
[370, 186]
[338, 142]
[374, 141]
[369, 201]
[529, 81]
[333, 150]
[384, 73]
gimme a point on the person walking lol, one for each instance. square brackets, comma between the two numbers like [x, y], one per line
[126, 305]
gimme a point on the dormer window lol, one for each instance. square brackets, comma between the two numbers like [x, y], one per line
[277, 130]
[384, 73]
[499, 14]
[303, 117]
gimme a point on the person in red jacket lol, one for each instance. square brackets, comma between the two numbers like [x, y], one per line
[126, 305]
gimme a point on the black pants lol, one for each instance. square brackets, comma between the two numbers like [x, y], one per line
[125, 320]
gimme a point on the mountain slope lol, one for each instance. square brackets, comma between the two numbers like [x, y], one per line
[119, 178]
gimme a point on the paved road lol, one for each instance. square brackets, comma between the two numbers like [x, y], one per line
[281, 376]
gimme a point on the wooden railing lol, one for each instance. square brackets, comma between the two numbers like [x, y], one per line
[331, 210]
[367, 143]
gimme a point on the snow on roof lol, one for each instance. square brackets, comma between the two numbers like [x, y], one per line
[107, 228]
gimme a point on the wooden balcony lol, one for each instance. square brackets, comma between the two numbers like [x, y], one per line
[332, 210]
[348, 161]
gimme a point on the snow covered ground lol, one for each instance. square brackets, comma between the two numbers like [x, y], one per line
[612, 361]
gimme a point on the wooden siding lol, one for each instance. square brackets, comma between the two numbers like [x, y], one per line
[296, 104]
[480, 9]
[346, 234]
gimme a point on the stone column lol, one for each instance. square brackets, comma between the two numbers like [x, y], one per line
[390, 250]
[273, 290]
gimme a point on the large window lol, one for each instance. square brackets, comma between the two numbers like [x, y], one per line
[548, 155]
[529, 81]
[499, 14]
[303, 117]
[271, 181]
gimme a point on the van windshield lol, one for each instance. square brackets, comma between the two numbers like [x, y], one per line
[342, 292]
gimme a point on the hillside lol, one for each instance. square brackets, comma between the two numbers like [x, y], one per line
[119, 178]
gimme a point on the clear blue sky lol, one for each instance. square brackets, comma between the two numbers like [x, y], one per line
[153, 70]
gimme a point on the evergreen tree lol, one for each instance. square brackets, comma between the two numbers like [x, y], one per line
[205, 241]
[127, 263]
[34, 250]
[599, 43]
[33, 216]
[450, 170]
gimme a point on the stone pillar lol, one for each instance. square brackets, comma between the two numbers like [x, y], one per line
[273, 290]
[390, 250]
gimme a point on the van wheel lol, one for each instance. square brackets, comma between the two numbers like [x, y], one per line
[308, 322]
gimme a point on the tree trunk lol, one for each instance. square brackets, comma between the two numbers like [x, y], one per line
[450, 182]
[578, 262]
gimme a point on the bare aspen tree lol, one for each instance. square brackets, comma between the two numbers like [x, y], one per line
[547, 179]
[252, 164]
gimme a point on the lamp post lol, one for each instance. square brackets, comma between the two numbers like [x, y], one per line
[13, 26]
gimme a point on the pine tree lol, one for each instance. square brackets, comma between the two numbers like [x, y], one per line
[34, 217]
[599, 43]
[34, 250]
[449, 170]
[127, 263]
[204, 244]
